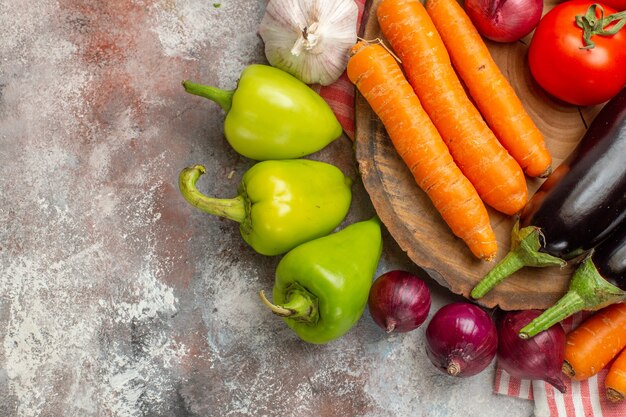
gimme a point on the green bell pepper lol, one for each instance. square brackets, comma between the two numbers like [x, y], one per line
[322, 286]
[272, 114]
[280, 204]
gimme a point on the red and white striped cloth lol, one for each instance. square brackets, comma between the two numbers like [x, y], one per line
[340, 94]
[582, 399]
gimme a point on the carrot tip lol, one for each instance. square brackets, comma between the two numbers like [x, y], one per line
[546, 173]
[614, 396]
[568, 369]
[489, 257]
[358, 46]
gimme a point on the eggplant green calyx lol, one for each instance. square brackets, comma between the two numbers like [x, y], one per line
[592, 25]
[526, 244]
[222, 97]
[230, 208]
[588, 290]
[299, 305]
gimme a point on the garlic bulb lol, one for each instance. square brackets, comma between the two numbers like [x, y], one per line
[310, 39]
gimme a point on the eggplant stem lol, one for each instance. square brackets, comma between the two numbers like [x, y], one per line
[525, 251]
[588, 290]
[570, 303]
[510, 264]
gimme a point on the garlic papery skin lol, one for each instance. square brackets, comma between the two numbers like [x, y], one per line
[310, 39]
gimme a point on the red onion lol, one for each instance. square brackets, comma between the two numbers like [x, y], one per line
[461, 339]
[540, 357]
[504, 20]
[399, 301]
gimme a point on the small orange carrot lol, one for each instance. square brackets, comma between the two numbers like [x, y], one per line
[615, 381]
[494, 96]
[598, 339]
[380, 80]
[497, 177]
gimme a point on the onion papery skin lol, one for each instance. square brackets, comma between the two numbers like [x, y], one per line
[399, 301]
[504, 20]
[310, 39]
[540, 357]
[461, 339]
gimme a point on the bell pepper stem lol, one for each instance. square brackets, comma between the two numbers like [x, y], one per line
[278, 310]
[587, 291]
[222, 97]
[230, 208]
[300, 305]
[525, 246]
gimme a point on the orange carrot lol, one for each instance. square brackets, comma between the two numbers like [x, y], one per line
[494, 96]
[615, 381]
[498, 178]
[598, 339]
[380, 80]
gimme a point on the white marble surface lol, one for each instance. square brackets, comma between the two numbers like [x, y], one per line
[116, 297]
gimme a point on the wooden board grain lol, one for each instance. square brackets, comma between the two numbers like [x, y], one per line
[410, 216]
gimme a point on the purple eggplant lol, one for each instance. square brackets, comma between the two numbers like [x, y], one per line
[599, 281]
[577, 207]
[610, 259]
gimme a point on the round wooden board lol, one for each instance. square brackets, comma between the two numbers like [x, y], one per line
[410, 216]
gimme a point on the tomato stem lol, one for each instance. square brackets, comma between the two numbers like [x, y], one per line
[593, 25]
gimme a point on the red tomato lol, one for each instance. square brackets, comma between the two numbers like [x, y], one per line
[565, 70]
[616, 4]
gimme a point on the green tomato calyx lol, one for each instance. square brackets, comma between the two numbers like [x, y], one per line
[592, 25]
